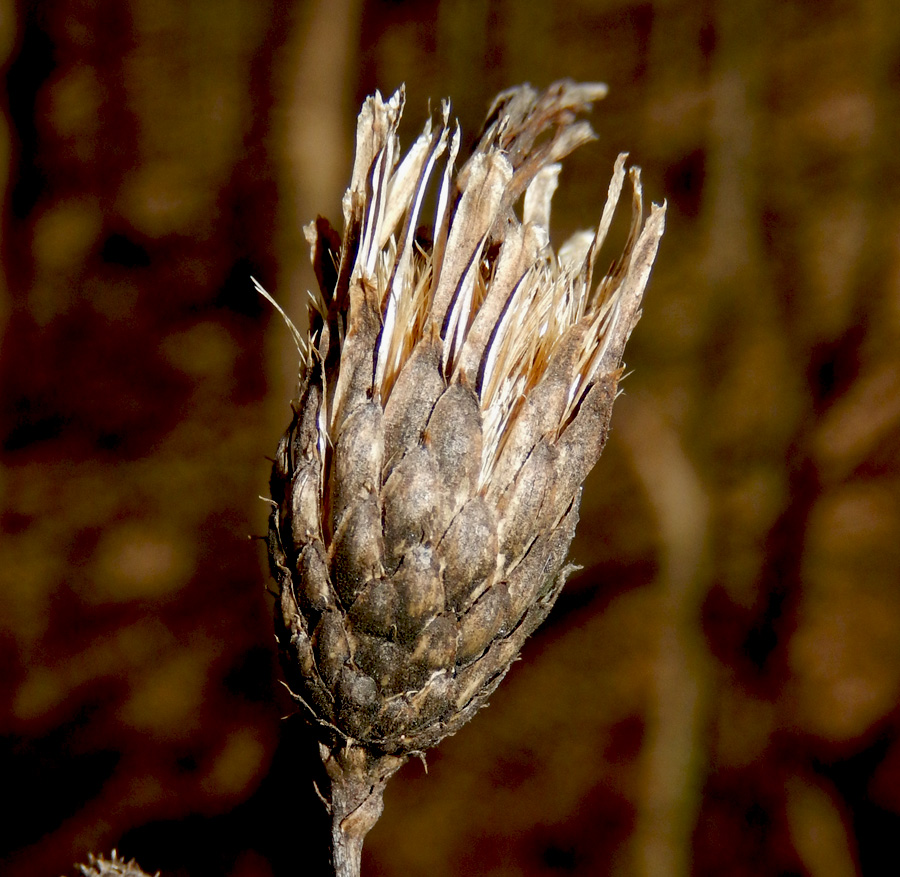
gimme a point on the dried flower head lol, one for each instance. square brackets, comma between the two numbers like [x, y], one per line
[98, 866]
[456, 388]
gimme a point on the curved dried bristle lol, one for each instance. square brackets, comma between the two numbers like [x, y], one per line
[456, 389]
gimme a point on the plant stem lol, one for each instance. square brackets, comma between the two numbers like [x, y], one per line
[356, 800]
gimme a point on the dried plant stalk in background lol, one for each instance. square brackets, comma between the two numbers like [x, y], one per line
[454, 394]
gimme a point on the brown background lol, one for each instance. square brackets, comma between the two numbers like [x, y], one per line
[717, 690]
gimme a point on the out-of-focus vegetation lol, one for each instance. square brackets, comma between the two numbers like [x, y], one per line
[717, 690]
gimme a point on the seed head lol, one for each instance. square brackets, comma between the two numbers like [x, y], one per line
[98, 866]
[455, 390]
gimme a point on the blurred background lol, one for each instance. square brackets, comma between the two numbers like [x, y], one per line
[716, 691]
